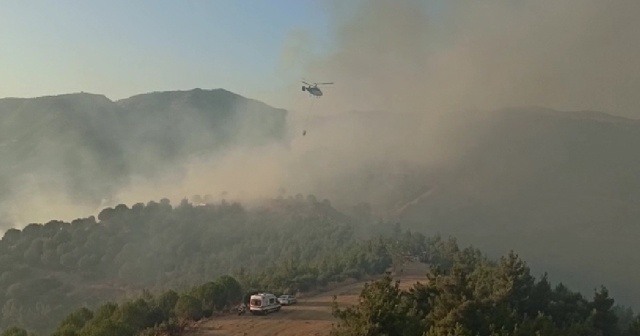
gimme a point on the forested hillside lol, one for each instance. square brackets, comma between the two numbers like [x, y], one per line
[477, 296]
[46, 271]
[466, 293]
[560, 187]
[549, 184]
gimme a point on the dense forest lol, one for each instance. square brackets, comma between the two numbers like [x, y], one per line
[293, 244]
[168, 312]
[466, 293]
[148, 314]
[501, 171]
[477, 296]
[481, 176]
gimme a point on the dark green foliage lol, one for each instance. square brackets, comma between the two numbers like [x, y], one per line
[603, 317]
[474, 296]
[188, 308]
[150, 315]
[633, 328]
[384, 310]
[213, 296]
[166, 301]
[74, 322]
[45, 269]
[292, 245]
[355, 261]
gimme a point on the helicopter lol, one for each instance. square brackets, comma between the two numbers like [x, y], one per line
[313, 88]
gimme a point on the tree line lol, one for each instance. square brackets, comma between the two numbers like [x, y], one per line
[67, 271]
[294, 244]
[167, 312]
[476, 296]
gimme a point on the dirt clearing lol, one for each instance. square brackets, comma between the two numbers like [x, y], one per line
[311, 316]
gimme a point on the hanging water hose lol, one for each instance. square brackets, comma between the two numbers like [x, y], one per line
[310, 111]
[315, 93]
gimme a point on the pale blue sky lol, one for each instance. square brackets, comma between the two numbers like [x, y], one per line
[120, 48]
[125, 47]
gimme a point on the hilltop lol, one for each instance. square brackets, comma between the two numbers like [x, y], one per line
[85, 147]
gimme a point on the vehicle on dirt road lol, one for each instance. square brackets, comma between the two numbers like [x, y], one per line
[263, 303]
[287, 300]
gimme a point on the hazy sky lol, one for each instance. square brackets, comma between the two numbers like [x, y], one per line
[463, 54]
[121, 48]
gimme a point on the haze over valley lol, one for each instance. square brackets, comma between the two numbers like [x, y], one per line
[507, 126]
[515, 179]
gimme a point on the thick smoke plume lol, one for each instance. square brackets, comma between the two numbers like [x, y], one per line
[428, 60]
[403, 71]
[457, 55]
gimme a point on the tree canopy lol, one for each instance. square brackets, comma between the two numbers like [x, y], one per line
[475, 296]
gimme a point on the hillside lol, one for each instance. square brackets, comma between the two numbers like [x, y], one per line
[188, 122]
[82, 148]
[560, 187]
[447, 291]
[47, 271]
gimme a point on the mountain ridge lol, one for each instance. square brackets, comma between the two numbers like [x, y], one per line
[85, 146]
[518, 177]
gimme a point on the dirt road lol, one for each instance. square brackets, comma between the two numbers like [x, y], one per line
[311, 316]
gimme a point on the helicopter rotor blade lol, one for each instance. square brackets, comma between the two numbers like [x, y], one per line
[324, 83]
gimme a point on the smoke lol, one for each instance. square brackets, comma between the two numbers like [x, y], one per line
[403, 72]
[238, 174]
[458, 55]
[420, 64]
[424, 62]
[39, 199]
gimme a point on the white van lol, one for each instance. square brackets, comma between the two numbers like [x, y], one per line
[263, 303]
[287, 300]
